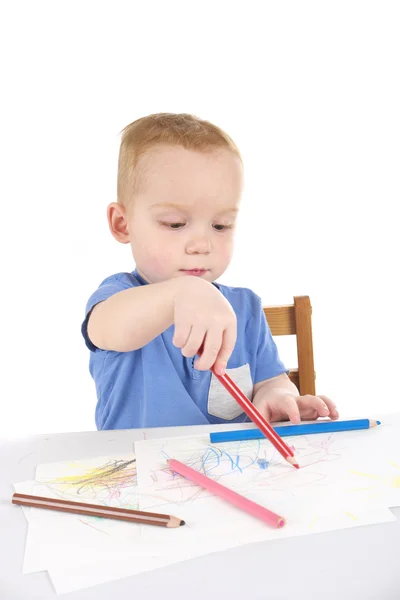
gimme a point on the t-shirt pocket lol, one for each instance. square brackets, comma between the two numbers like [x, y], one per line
[220, 403]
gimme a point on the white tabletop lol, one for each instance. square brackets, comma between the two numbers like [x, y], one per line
[360, 563]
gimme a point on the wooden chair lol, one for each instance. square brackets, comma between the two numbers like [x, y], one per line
[295, 319]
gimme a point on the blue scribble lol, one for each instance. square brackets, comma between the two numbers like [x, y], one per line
[213, 457]
[263, 463]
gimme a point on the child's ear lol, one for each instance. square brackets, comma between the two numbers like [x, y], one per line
[117, 222]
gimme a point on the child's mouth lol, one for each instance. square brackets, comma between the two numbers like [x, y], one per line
[197, 272]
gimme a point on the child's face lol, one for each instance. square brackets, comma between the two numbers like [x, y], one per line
[182, 219]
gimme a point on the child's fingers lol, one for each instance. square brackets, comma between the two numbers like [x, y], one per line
[310, 403]
[289, 407]
[210, 350]
[194, 341]
[322, 405]
[228, 344]
[181, 333]
[332, 407]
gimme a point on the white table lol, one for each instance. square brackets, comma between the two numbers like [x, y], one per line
[360, 563]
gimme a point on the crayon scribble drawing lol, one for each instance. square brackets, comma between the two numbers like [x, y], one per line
[109, 481]
[374, 485]
[105, 480]
[247, 466]
[312, 499]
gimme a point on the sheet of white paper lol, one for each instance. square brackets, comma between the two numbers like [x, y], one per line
[50, 551]
[255, 465]
[69, 572]
[52, 534]
[71, 579]
[33, 560]
[374, 472]
[55, 534]
[107, 480]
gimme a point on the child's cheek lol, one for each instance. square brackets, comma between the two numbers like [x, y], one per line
[159, 264]
[225, 252]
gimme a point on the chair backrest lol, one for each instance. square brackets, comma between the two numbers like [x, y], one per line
[295, 319]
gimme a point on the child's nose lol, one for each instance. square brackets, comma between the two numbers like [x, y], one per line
[198, 245]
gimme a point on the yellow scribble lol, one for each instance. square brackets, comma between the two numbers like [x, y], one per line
[313, 522]
[392, 481]
[359, 489]
[111, 476]
[366, 475]
[394, 464]
[351, 516]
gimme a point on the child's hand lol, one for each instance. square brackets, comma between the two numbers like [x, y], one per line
[281, 405]
[204, 320]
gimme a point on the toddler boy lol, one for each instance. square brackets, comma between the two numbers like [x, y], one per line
[153, 334]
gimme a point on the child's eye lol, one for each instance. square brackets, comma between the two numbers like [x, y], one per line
[219, 227]
[174, 225]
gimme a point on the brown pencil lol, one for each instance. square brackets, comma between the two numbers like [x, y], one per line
[95, 510]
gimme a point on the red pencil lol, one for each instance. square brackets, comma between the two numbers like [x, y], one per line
[257, 418]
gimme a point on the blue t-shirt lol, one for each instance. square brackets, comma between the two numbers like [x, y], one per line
[156, 386]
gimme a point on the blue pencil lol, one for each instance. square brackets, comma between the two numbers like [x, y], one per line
[289, 430]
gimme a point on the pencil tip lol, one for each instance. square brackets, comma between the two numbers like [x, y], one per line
[182, 523]
[378, 422]
[296, 465]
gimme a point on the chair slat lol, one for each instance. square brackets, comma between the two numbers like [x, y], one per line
[305, 353]
[281, 319]
[296, 320]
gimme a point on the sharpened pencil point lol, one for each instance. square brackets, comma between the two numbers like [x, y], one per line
[182, 523]
[292, 461]
[378, 422]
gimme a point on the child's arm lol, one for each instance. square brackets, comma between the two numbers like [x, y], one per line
[278, 399]
[130, 319]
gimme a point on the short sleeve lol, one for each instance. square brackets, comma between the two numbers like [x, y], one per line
[110, 286]
[268, 363]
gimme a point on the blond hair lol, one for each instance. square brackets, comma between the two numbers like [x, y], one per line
[164, 128]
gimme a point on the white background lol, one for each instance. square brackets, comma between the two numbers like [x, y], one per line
[308, 90]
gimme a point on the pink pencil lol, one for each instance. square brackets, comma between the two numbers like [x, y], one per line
[229, 495]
